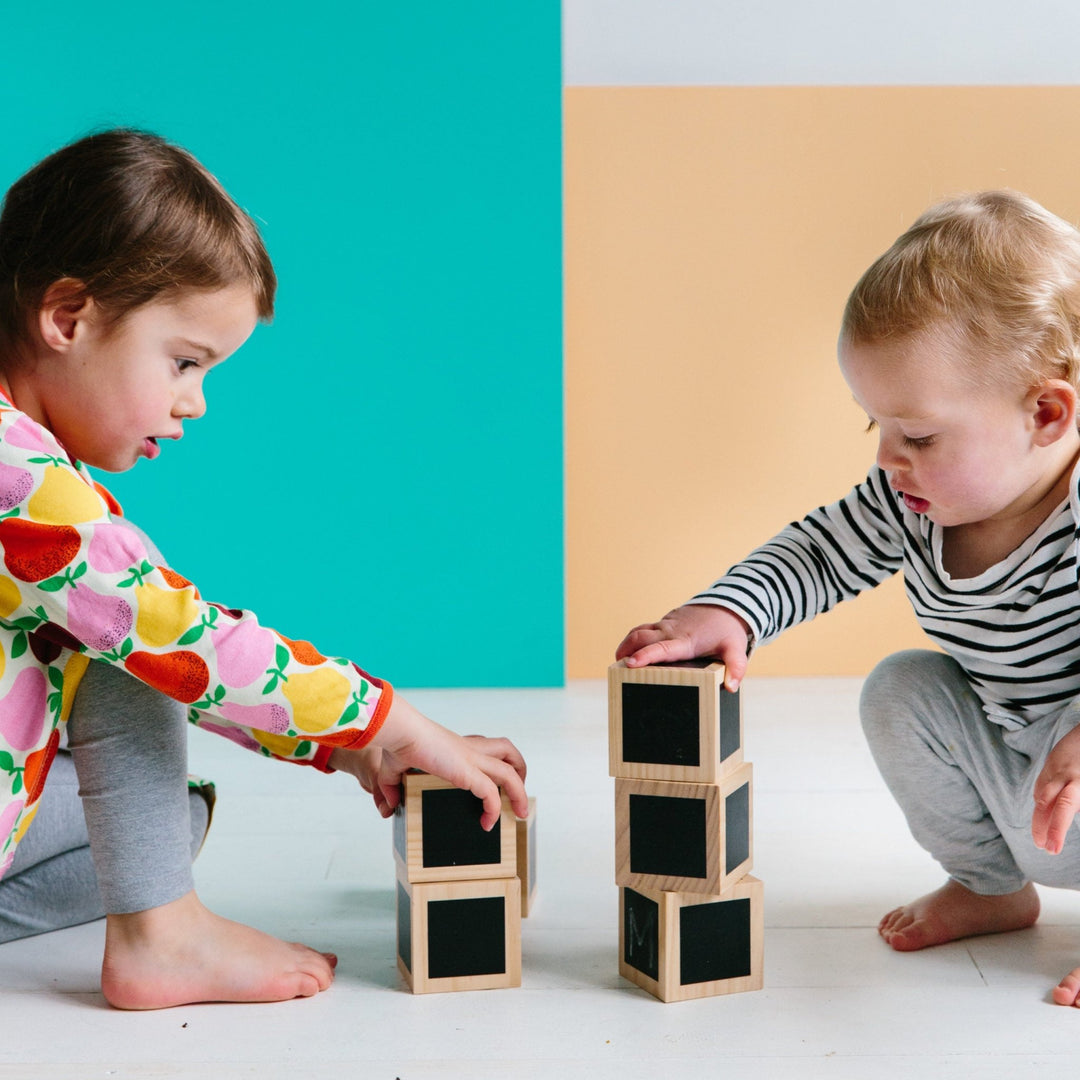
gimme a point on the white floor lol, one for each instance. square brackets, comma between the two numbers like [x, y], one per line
[306, 857]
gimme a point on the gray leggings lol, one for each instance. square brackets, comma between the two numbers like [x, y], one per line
[964, 783]
[117, 828]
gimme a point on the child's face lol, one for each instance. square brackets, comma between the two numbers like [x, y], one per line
[958, 453]
[118, 390]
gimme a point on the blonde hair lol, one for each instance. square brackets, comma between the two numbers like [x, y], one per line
[994, 272]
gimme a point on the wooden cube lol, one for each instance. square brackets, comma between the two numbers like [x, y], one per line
[437, 834]
[684, 837]
[673, 722]
[684, 945]
[459, 935]
[526, 858]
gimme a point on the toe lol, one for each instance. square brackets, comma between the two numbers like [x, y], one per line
[888, 920]
[905, 940]
[1068, 990]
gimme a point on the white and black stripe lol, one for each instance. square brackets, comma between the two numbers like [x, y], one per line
[1015, 629]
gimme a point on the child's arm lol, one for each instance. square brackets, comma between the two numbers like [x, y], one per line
[1057, 794]
[833, 554]
[76, 577]
[409, 740]
[688, 632]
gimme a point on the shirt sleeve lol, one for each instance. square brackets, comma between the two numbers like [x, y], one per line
[832, 554]
[75, 575]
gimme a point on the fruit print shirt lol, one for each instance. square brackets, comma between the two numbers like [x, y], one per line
[76, 585]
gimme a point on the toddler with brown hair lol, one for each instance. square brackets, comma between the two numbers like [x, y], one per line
[127, 273]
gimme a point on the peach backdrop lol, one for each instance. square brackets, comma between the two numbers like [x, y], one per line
[712, 236]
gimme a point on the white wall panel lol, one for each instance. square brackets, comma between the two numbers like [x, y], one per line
[798, 42]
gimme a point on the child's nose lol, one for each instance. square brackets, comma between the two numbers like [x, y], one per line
[192, 404]
[889, 457]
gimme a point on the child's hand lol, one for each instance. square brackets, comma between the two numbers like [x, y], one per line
[364, 765]
[1057, 794]
[688, 632]
[409, 740]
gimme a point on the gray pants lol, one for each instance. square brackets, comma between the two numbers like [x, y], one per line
[117, 828]
[964, 783]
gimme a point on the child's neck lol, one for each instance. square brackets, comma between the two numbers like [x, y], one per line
[970, 550]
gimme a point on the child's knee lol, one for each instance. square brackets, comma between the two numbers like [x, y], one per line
[894, 688]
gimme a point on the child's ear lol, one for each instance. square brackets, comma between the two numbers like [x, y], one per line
[1053, 411]
[64, 307]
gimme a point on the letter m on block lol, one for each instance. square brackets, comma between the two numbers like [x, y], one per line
[641, 932]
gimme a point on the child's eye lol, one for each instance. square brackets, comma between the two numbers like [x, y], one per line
[919, 444]
[183, 363]
[871, 425]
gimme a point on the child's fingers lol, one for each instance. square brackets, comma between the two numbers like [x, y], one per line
[638, 638]
[665, 651]
[1040, 822]
[501, 749]
[391, 794]
[380, 802]
[514, 787]
[735, 665]
[487, 791]
[506, 777]
[1045, 792]
[494, 778]
[1065, 808]
[1056, 804]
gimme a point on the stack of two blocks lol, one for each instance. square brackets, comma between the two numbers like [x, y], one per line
[461, 892]
[691, 919]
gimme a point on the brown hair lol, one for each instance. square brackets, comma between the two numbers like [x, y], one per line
[995, 272]
[130, 217]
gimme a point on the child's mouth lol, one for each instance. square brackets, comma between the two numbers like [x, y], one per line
[151, 448]
[916, 506]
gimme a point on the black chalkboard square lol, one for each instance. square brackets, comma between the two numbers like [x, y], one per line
[452, 834]
[668, 835]
[466, 936]
[404, 927]
[737, 823]
[661, 724]
[459, 935]
[673, 722]
[680, 837]
[737, 842]
[704, 945]
[438, 837]
[714, 941]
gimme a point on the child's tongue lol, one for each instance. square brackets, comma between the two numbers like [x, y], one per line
[916, 506]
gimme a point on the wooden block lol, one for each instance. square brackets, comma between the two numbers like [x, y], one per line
[526, 858]
[459, 935]
[684, 945]
[437, 834]
[673, 722]
[684, 837]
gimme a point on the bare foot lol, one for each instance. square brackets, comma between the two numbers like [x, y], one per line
[956, 912]
[181, 953]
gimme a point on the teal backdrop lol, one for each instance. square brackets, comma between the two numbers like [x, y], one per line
[380, 470]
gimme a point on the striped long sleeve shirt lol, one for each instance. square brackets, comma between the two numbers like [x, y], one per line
[1014, 629]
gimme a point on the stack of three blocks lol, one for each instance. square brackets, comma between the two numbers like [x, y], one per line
[691, 919]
